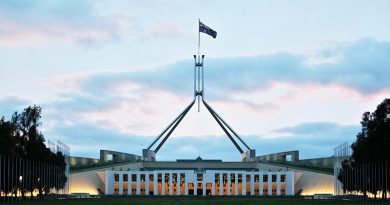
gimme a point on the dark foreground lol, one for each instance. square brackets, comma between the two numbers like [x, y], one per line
[187, 201]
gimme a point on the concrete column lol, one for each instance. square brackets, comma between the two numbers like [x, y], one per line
[252, 184]
[130, 181]
[147, 183]
[278, 184]
[109, 188]
[261, 184]
[185, 184]
[228, 184]
[170, 184]
[138, 192]
[203, 187]
[163, 184]
[269, 184]
[290, 183]
[120, 183]
[178, 187]
[213, 184]
[220, 183]
[243, 184]
[155, 181]
[236, 184]
[195, 186]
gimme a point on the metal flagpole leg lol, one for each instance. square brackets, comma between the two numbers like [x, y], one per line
[223, 127]
[170, 125]
[227, 125]
[174, 126]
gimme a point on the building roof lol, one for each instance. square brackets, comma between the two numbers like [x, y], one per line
[199, 164]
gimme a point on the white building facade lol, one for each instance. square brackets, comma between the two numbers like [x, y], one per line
[199, 182]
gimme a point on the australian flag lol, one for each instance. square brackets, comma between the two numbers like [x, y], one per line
[205, 29]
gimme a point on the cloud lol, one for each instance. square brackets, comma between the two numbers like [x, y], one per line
[162, 29]
[319, 129]
[122, 111]
[312, 139]
[28, 22]
[86, 140]
[361, 66]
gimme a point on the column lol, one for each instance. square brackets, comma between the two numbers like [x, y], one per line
[163, 184]
[220, 183]
[204, 186]
[278, 184]
[138, 192]
[243, 190]
[170, 184]
[195, 182]
[269, 184]
[130, 181]
[109, 183]
[252, 181]
[228, 184]
[236, 184]
[261, 184]
[178, 184]
[155, 182]
[120, 183]
[213, 184]
[147, 183]
[185, 184]
[290, 183]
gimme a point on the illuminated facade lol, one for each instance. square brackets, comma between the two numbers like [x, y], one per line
[199, 182]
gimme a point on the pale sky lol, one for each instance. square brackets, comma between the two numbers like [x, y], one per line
[286, 75]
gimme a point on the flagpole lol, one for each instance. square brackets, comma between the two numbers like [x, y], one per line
[198, 62]
[198, 37]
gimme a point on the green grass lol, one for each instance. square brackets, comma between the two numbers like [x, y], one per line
[187, 201]
[322, 170]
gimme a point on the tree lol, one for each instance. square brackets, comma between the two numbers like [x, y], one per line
[370, 154]
[22, 145]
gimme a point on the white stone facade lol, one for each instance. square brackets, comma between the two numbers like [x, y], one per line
[200, 182]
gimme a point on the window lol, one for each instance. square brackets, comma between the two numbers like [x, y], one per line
[274, 178]
[283, 178]
[174, 178]
[182, 177]
[142, 177]
[239, 178]
[116, 177]
[166, 178]
[151, 177]
[265, 178]
[199, 177]
[125, 177]
[159, 177]
[216, 178]
[134, 177]
[232, 178]
[248, 178]
[224, 178]
[256, 178]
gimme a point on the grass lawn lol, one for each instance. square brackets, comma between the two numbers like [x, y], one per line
[184, 201]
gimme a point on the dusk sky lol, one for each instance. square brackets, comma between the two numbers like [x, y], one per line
[286, 75]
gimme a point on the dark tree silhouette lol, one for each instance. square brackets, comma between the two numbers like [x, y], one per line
[22, 146]
[371, 154]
